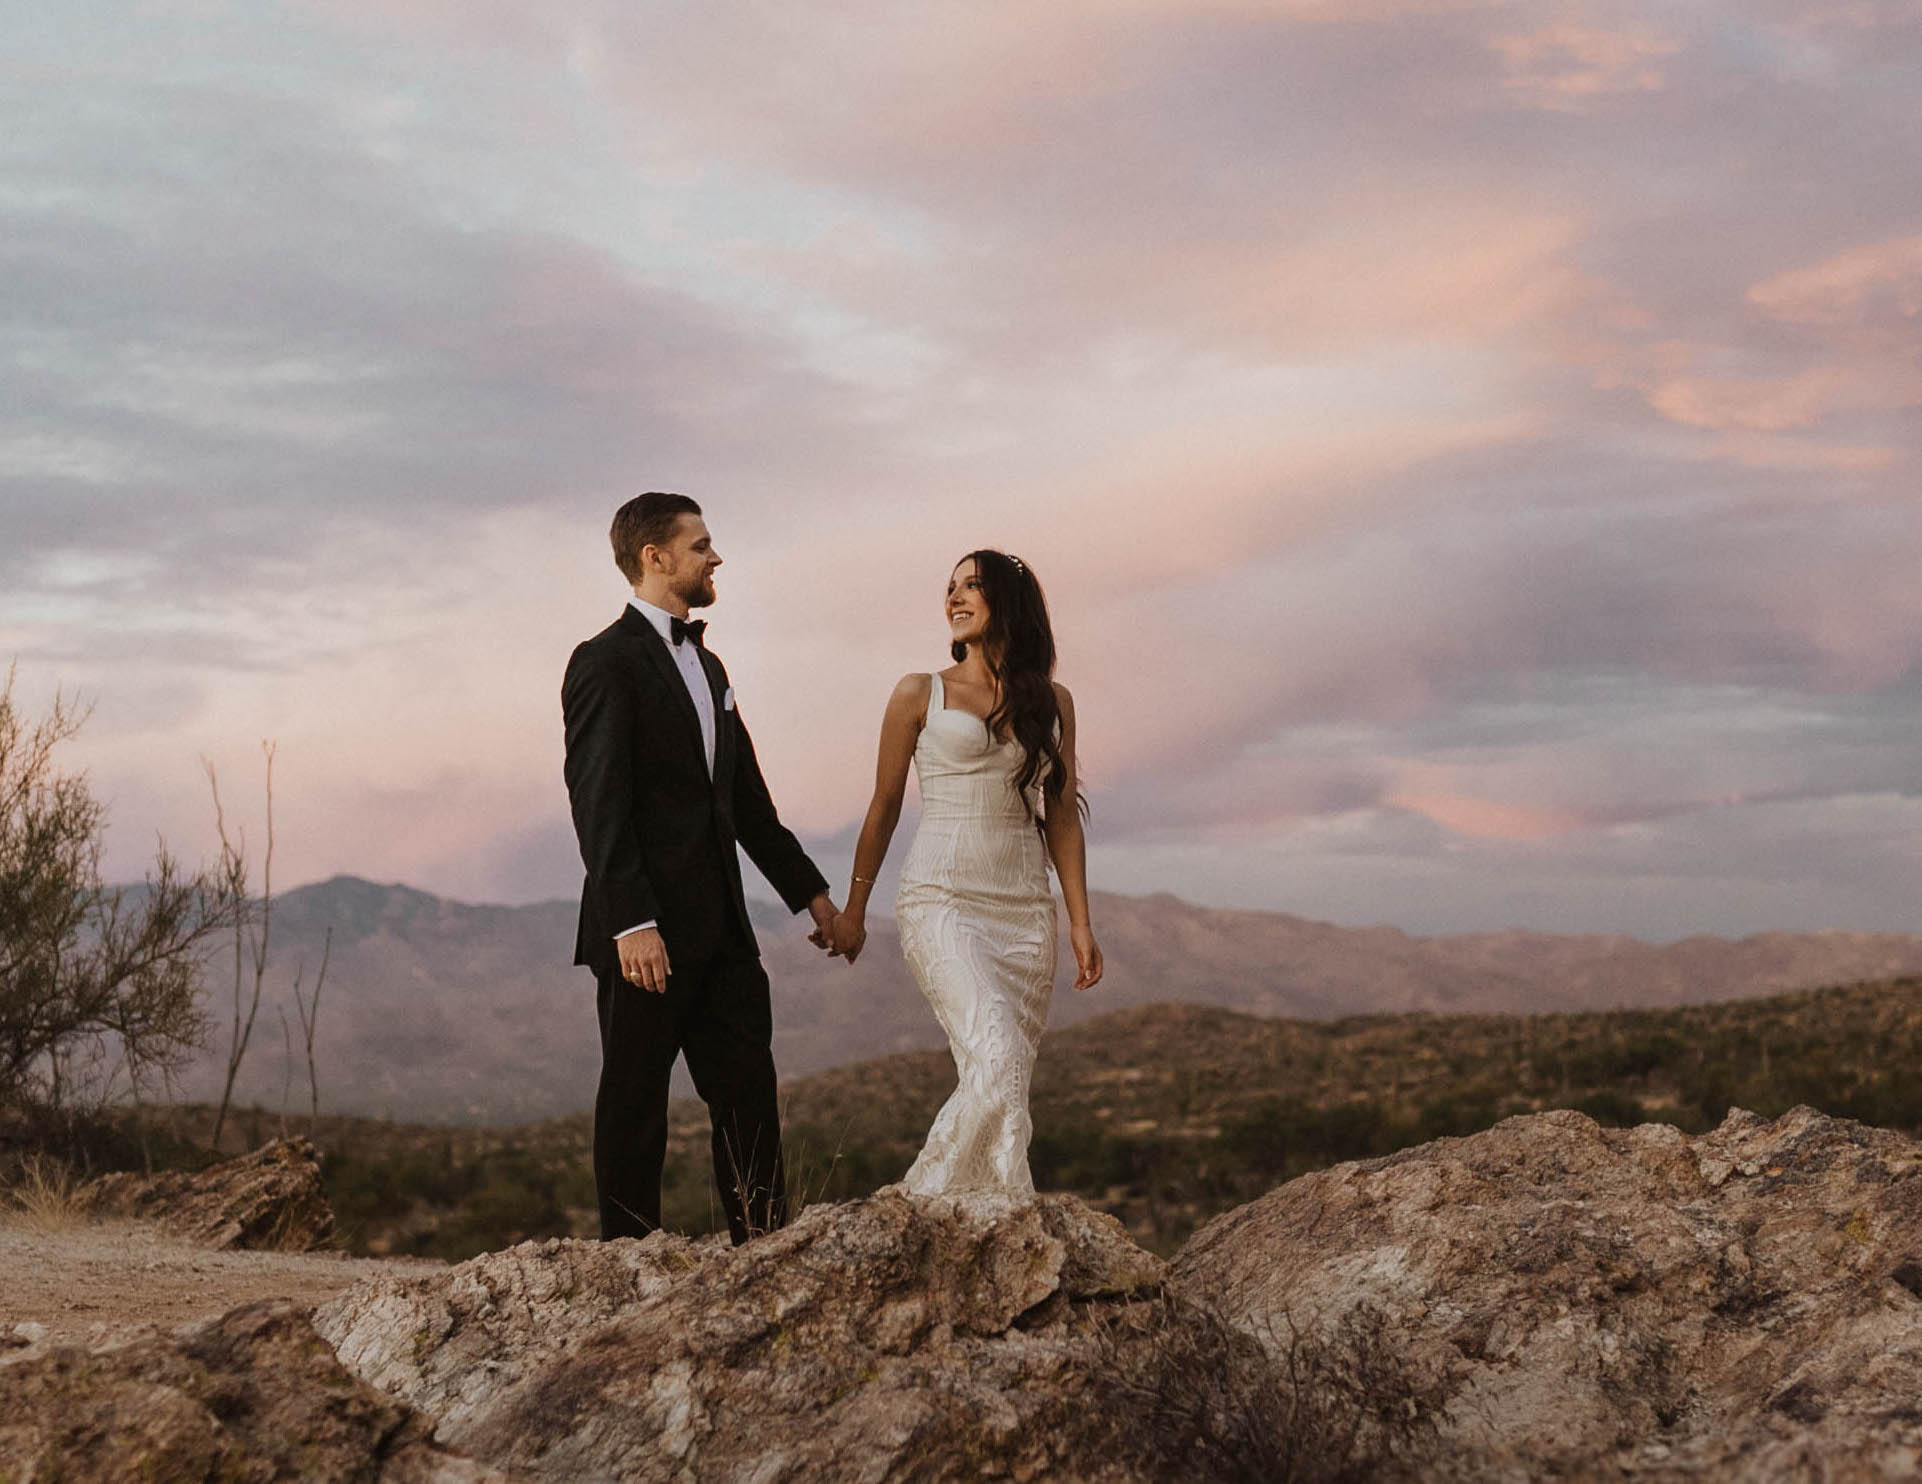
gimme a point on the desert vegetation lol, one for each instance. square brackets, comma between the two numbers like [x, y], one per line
[100, 995]
[1168, 1115]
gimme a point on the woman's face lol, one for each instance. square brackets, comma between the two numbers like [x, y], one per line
[967, 604]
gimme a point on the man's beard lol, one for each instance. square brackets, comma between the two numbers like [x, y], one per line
[699, 593]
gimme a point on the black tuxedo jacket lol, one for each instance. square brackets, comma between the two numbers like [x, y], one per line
[657, 835]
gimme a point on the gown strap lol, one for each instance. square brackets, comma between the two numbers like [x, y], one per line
[937, 696]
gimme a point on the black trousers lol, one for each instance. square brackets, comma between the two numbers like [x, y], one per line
[718, 1015]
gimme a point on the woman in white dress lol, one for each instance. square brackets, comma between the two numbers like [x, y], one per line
[992, 743]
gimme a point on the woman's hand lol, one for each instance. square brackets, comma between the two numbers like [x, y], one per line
[1087, 956]
[848, 936]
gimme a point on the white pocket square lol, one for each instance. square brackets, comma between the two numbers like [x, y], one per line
[727, 701]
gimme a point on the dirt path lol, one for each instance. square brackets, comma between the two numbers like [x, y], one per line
[89, 1282]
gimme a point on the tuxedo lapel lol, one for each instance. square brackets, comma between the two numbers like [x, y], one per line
[723, 722]
[648, 639]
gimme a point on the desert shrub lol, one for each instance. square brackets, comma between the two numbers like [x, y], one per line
[1452, 1114]
[1612, 1108]
[1083, 1157]
[1267, 1140]
[1204, 1401]
[369, 1188]
[431, 1202]
[93, 1140]
[1358, 1129]
[515, 1198]
[1705, 1100]
[42, 1195]
[1282, 1137]
[99, 987]
[1892, 1100]
[1631, 1057]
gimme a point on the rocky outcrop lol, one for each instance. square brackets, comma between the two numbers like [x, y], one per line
[254, 1395]
[888, 1338]
[1548, 1298]
[271, 1199]
[1597, 1303]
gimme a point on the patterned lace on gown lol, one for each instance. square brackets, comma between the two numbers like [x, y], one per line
[977, 925]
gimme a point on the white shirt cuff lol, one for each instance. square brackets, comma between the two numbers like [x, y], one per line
[643, 927]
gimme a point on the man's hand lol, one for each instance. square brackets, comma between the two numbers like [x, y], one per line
[823, 911]
[644, 960]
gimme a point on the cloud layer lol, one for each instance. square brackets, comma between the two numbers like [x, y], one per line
[1471, 448]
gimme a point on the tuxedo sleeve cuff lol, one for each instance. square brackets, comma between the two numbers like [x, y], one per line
[641, 928]
[798, 899]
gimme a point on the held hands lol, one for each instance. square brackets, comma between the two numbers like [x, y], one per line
[823, 911]
[644, 960]
[848, 936]
[842, 934]
[1087, 956]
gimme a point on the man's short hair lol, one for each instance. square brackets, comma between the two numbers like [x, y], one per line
[645, 520]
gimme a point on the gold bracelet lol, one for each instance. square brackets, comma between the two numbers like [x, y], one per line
[865, 880]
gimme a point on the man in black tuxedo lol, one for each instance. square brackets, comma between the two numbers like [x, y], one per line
[663, 782]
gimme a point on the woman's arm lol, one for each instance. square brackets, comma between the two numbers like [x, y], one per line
[1069, 848]
[900, 726]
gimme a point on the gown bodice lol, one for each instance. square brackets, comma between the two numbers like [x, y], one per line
[976, 830]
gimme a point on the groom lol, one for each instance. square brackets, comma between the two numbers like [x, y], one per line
[662, 780]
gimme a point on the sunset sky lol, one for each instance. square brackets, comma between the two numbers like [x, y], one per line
[1471, 448]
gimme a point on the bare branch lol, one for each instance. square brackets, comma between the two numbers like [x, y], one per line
[309, 1012]
[242, 1026]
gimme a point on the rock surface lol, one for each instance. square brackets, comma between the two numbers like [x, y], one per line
[253, 1395]
[271, 1198]
[882, 1339]
[1746, 1305]
[1544, 1299]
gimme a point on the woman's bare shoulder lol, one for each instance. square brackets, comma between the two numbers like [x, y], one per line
[910, 699]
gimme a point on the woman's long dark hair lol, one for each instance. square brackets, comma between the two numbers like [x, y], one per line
[1019, 649]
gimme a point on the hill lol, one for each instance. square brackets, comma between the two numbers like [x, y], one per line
[443, 1012]
[1166, 1115]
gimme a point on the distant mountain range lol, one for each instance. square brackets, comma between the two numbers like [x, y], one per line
[443, 1012]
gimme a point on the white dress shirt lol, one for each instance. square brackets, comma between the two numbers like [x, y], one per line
[687, 659]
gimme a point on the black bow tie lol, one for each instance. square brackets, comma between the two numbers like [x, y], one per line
[681, 629]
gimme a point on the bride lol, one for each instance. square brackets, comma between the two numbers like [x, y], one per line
[992, 742]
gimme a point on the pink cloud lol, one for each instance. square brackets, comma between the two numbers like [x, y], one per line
[1835, 387]
[1753, 404]
[1828, 348]
[1570, 68]
[1488, 819]
[1876, 284]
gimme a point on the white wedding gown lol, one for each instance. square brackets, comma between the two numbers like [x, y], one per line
[977, 925]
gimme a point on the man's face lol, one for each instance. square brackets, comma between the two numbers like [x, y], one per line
[690, 560]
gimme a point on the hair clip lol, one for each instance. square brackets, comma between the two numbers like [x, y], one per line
[1019, 565]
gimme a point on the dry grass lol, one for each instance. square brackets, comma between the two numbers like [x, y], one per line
[805, 1174]
[43, 1197]
[1205, 1402]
